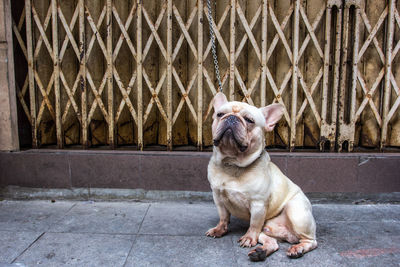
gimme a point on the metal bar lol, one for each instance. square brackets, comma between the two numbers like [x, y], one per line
[155, 26]
[154, 33]
[372, 34]
[308, 92]
[69, 38]
[216, 29]
[32, 95]
[56, 65]
[253, 22]
[82, 72]
[325, 79]
[169, 75]
[199, 74]
[248, 31]
[185, 95]
[342, 127]
[183, 36]
[279, 30]
[295, 51]
[139, 71]
[369, 93]
[111, 129]
[184, 30]
[264, 52]
[346, 127]
[354, 79]
[388, 71]
[232, 52]
[154, 98]
[336, 76]
[328, 129]
[124, 35]
[42, 30]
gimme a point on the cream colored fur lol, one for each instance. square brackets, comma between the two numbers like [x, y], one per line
[249, 186]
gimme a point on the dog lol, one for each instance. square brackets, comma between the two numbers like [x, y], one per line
[246, 184]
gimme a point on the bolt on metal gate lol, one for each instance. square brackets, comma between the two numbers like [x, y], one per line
[140, 72]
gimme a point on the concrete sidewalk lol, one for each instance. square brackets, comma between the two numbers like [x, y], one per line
[89, 233]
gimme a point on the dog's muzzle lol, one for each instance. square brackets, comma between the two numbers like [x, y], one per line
[230, 125]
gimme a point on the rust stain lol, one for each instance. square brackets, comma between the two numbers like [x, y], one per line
[368, 253]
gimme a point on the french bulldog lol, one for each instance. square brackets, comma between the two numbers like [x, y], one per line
[246, 184]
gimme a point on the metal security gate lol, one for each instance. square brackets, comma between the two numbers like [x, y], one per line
[140, 73]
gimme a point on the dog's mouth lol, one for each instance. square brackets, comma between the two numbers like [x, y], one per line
[229, 134]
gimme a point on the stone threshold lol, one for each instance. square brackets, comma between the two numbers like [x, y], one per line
[187, 171]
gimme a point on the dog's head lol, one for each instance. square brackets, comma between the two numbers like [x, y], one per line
[238, 129]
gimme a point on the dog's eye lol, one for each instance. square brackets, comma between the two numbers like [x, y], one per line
[248, 120]
[219, 115]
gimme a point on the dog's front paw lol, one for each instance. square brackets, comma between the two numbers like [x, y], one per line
[248, 240]
[217, 231]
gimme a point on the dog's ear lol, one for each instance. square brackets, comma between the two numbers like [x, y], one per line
[219, 100]
[272, 114]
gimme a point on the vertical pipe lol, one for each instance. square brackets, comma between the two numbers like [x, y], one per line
[325, 79]
[111, 131]
[56, 65]
[344, 70]
[388, 73]
[331, 58]
[232, 52]
[169, 75]
[264, 52]
[139, 73]
[82, 73]
[294, 75]
[353, 91]
[199, 74]
[336, 76]
[32, 95]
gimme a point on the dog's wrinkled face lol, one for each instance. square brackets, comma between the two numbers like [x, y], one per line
[238, 129]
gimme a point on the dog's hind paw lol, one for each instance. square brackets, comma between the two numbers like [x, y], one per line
[295, 251]
[257, 254]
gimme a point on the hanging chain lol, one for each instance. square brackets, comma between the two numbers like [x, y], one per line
[213, 48]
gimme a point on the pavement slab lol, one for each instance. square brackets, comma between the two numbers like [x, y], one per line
[71, 249]
[158, 250]
[37, 216]
[102, 217]
[184, 219]
[87, 233]
[13, 243]
[343, 212]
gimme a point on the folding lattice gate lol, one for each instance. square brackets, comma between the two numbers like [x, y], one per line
[140, 73]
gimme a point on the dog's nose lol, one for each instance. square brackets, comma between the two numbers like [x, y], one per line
[232, 119]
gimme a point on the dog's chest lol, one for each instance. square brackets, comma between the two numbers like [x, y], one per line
[235, 199]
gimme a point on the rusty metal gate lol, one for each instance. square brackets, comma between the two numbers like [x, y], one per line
[140, 73]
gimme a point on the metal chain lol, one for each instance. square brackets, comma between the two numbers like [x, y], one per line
[213, 48]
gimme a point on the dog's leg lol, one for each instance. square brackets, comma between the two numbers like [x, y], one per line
[257, 220]
[224, 217]
[269, 246]
[298, 211]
